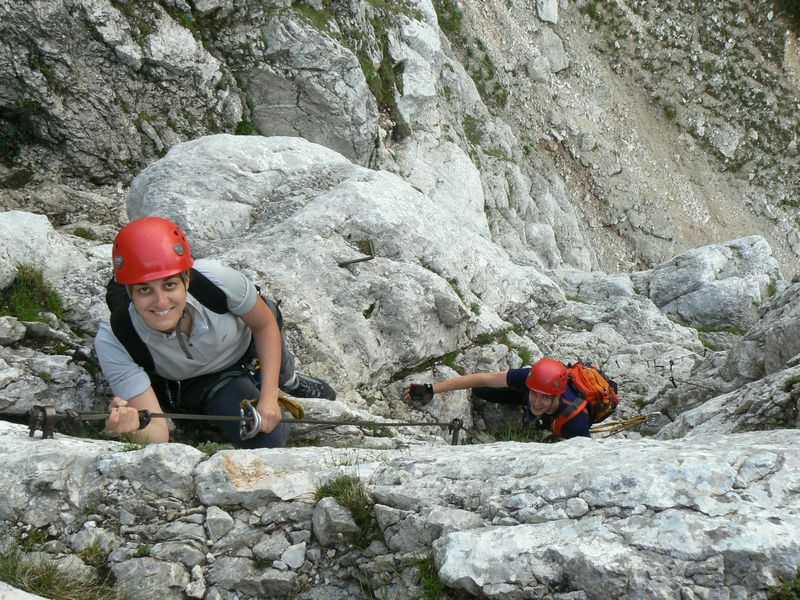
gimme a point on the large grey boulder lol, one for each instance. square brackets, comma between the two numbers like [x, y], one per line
[310, 85]
[29, 378]
[299, 209]
[715, 514]
[769, 403]
[30, 239]
[772, 343]
[717, 286]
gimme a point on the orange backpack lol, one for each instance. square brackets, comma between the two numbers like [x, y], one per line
[596, 392]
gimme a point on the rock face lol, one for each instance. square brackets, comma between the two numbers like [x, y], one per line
[514, 104]
[722, 520]
[717, 286]
[436, 297]
[118, 61]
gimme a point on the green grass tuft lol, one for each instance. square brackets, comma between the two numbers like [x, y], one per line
[788, 590]
[449, 15]
[524, 433]
[350, 493]
[790, 383]
[244, 127]
[213, 447]
[29, 295]
[45, 578]
[428, 579]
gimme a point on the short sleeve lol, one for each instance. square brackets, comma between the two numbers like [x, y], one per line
[126, 378]
[515, 378]
[239, 290]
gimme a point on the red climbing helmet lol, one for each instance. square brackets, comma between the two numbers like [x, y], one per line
[548, 377]
[150, 248]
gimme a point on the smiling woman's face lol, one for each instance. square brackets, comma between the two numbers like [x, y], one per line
[160, 302]
[541, 404]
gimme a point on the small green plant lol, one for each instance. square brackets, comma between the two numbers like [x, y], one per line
[670, 112]
[449, 15]
[573, 298]
[499, 154]
[640, 403]
[772, 287]
[211, 448]
[449, 360]
[524, 433]
[524, 354]
[350, 493]
[707, 343]
[368, 312]
[590, 9]
[457, 289]
[475, 307]
[85, 233]
[131, 445]
[29, 296]
[473, 129]
[788, 590]
[384, 432]
[34, 538]
[790, 383]
[93, 556]
[244, 127]
[487, 337]
[428, 579]
[45, 578]
[142, 550]
[733, 329]
[318, 18]
[791, 8]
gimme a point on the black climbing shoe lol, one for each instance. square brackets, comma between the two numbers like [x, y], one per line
[311, 387]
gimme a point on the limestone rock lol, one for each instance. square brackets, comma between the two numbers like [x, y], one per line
[333, 523]
[716, 286]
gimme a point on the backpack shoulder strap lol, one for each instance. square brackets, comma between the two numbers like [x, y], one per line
[565, 415]
[123, 329]
[207, 292]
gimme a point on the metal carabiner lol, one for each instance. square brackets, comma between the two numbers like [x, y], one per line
[251, 420]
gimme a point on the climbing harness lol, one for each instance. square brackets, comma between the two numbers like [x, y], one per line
[43, 418]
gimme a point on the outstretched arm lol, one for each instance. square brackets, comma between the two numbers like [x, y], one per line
[464, 382]
[417, 395]
[267, 337]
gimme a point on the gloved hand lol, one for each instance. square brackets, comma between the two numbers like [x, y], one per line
[418, 394]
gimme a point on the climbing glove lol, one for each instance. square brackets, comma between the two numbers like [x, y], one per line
[418, 394]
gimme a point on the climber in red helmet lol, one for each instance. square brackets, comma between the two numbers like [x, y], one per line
[187, 334]
[542, 389]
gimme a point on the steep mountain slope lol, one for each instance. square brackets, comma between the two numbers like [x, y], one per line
[665, 125]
